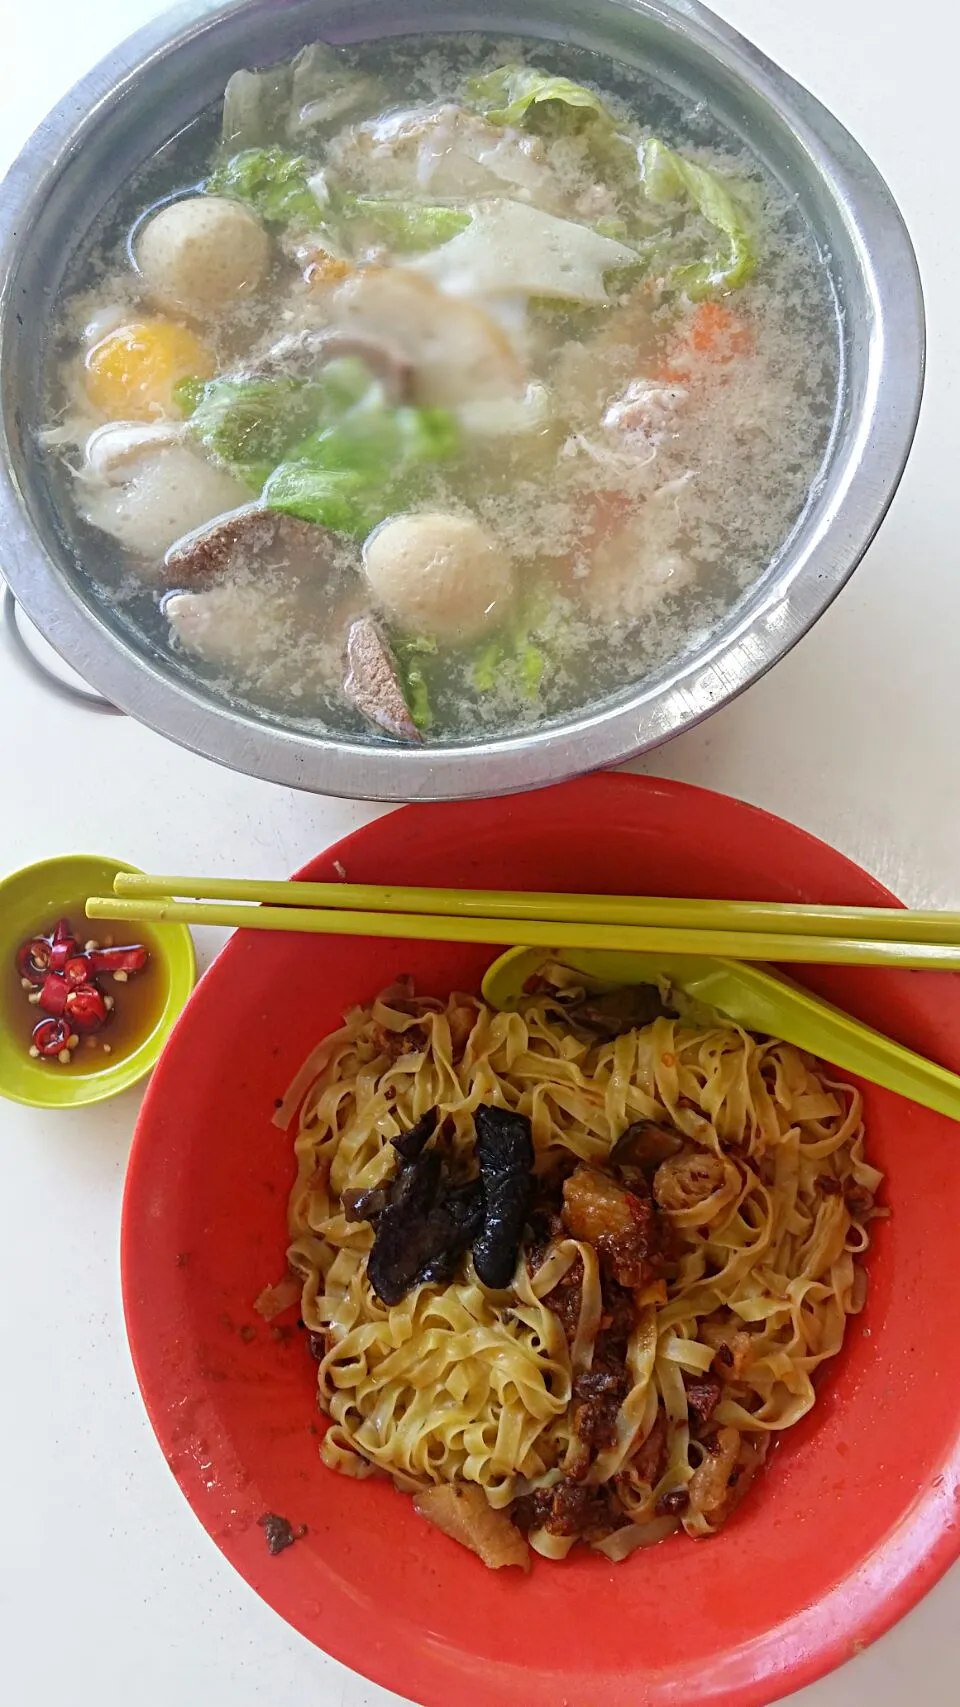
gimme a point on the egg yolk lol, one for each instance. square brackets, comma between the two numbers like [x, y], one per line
[132, 372]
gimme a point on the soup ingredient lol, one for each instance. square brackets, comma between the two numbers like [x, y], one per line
[373, 682]
[112, 450]
[131, 373]
[521, 251]
[457, 351]
[513, 93]
[462, 1511]
[439, 574]
[251, 539]
[668, 177]
[250, 422]
[154, 497]
[318, 88]
[407, 226]
[351, 474]
[638, 557]
[63, 979]
[236, 627]
[302, 355]
[271, 182]
[202, 254]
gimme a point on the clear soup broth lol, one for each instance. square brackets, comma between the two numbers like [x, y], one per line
[438, 388]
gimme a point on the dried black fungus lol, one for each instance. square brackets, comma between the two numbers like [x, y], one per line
[505, 1154]
[426, 1222]
[621, 1010]
[363, 1205]
[278, 1532]
[426, 1218]
[411, 1144]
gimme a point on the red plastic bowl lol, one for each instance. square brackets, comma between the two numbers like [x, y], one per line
[856, 1515]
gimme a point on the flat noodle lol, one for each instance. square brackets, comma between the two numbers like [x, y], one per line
[460, 1384]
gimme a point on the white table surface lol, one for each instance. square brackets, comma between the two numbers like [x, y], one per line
[110, 1585]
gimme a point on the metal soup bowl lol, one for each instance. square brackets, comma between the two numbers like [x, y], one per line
[159, 80]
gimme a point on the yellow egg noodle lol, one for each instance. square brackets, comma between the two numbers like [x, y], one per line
[461, 1384]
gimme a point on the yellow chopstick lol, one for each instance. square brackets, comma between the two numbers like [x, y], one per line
[533, 933]
[661, 912]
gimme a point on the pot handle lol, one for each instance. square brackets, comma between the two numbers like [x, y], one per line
[18, 644]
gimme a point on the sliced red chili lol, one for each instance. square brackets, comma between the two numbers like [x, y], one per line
[63, 945]
[33, 959]
[78, 971]
[86, 1008]
[51, 1037]
[131, 959]
[53, 994]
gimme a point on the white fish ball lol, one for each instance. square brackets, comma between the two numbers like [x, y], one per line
[439, 574]
[199, 255]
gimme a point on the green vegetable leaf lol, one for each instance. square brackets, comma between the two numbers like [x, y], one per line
[556, 106]
[271, 182]
[668, 177]
[531, 665]
[251, 425]
[513, 94]
[187, 394]
[340, 499]
[253, 421]
[487, 665]
[352, 474]
[380, 442]
[417, 695]
[406, 226]
[512, 659]
[416, 690]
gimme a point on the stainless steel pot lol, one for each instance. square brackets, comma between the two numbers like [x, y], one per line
[163, 76]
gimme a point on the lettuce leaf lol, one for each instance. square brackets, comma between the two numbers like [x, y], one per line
[407, 226]
[271, 182]
[255, 106]
[668, 177]
[512, 94]
[339, 499]
[519, 96]
[352, 474]
[326, 90]
[515, 660]
[318, 90]
[415, 686]
[187, 393]
[251, 425]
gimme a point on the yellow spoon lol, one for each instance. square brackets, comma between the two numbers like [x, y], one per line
[756, 1000]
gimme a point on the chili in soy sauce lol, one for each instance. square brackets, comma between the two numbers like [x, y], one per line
[76, 999]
